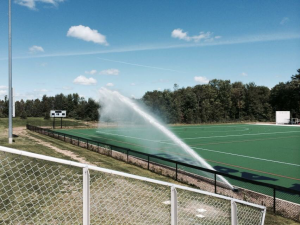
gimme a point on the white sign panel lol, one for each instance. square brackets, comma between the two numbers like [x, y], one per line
[283, 117]
[58, 113]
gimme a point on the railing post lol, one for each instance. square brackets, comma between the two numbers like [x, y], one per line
[274, 200]
[176, 171]
[86, 196]
[173, 206]
[234, 219]
[148, 162]
[215, 183]
[264, 216]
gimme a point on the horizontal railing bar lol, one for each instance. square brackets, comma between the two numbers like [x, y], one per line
[43, 157]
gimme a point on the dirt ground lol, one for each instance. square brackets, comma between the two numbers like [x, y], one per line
[21, 131]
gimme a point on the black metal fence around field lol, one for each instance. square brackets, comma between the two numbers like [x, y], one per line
[281, 200]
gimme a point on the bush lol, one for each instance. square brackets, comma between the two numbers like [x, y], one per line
[23, 115]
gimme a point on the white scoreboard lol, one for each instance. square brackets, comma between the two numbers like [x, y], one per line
[58, 113]
[283, 117]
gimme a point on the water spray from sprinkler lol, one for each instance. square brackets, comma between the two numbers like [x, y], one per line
[109, 97]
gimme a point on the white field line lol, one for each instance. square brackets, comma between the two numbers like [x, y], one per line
[279, 125]
[244, 156]
[216, 131]
[239, 135]
[182, 128]
[143, 139]
[231, 135]
[250, 157]
[197, 127]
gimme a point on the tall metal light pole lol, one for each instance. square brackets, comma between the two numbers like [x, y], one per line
[10, 101]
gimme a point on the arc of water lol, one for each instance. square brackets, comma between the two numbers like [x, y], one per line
[168, 133]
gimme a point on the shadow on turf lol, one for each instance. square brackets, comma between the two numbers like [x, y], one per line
[249, 176]
[252, 176]
[227, 170]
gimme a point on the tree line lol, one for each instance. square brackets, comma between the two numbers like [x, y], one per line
[77, 107]
[217, 101]
[223, 101]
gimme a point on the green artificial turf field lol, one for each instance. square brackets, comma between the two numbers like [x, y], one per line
[264, 153]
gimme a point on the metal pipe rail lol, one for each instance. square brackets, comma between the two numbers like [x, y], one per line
[175, 205]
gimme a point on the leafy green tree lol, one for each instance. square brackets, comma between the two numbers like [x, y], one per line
[5, 106]
[286, 96]
[238, 100]
[29, 108]
[296, 77]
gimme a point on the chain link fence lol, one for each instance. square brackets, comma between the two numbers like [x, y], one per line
[34, 191]
[37, 189]
[281, 200]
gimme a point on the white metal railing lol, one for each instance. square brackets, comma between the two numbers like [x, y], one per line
[38, 189]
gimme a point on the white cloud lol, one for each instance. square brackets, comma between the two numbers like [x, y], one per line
[84, 80]
[35, 49]
[244, 74]
[3, 90]
[201, 36]
[110, 72]
[201, 80]
[178, 33]
[31, 4]
[133, 84]
[44, 64]
[92, 72]
[87, 34]
[218, 37]
[109, 84]
[3, 93]
[284, 20]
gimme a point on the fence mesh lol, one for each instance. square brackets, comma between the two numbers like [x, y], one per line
[120, 200]
[38, 192]
[195, 208]
[247, 215]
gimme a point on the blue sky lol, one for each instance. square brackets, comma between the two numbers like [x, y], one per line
[66, 46]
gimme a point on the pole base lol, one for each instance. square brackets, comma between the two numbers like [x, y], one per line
[10, 140]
